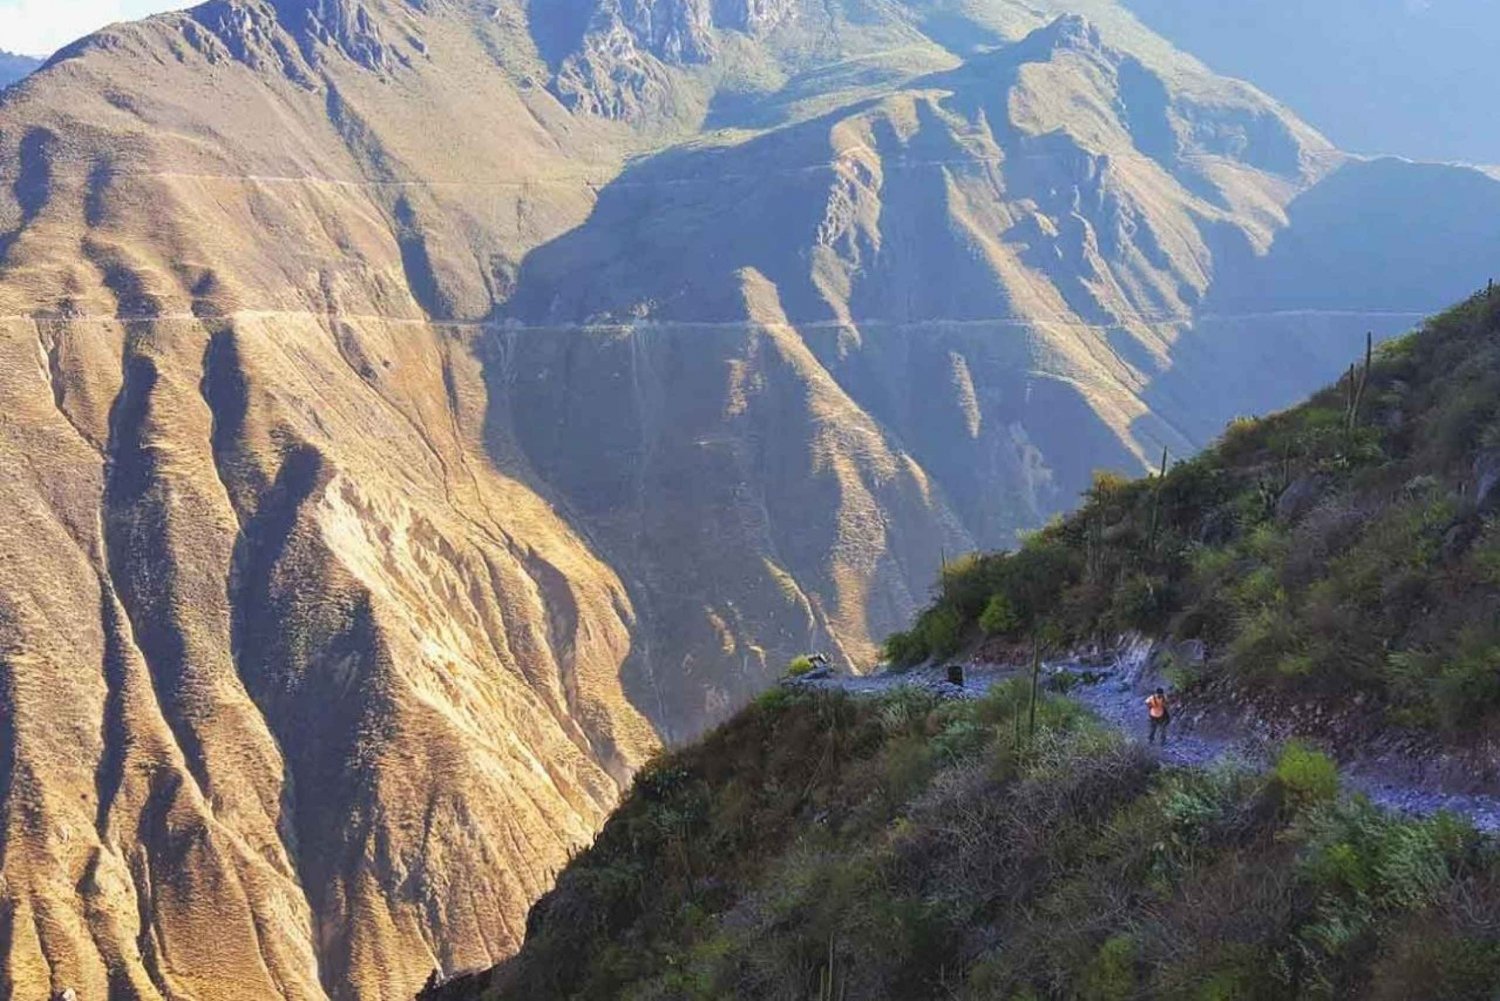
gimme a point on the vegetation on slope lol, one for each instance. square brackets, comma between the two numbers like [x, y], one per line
[819, 846]
[1349, 544]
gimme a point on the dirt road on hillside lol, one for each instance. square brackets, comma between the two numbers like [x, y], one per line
[1117, 697]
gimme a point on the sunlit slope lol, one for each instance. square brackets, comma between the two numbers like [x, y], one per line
[307, 694]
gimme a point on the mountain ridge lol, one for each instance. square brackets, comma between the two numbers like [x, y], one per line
[15, 67]
[1326, 578]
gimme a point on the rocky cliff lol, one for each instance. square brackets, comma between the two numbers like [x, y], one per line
[410, 417]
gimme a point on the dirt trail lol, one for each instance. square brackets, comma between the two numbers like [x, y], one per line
[1117, 696]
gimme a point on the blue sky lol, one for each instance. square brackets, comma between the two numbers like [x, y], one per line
[40, 27]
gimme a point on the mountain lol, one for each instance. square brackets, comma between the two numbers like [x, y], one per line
[1339, 557]
[417, 412]
[900, 847]
[1334, 569]
[14, 67]
[1360, 91]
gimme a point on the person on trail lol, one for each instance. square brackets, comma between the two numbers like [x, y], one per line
[1156, 709]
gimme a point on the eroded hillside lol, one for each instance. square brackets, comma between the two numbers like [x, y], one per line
[413, 412]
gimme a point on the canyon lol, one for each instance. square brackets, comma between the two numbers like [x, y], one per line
[414, 413]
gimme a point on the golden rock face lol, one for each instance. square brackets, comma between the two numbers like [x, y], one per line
[393, 457]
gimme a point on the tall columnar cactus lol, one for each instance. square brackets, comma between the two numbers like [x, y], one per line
[1161, 479]
[1357, 390]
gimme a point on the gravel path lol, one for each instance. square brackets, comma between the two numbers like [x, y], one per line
[1119, 700]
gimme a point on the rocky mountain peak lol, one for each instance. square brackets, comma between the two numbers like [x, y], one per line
[1071, 31]
[620, 67]
[1068, 33]
[348, 26]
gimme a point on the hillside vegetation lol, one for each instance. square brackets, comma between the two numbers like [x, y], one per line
[1348, 545]
[822, 846]
[819, 846]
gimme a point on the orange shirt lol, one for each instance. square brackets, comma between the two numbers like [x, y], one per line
[1156, 706]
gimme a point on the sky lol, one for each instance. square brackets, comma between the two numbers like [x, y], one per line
[41, 27]
[1411, 77]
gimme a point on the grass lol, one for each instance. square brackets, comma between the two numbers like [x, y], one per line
[818, 846]
[1369, 584]
[821, 847]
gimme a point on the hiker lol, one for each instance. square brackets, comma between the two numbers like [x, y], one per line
[1156, 709]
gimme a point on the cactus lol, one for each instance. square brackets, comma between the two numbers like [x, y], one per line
[1357, 391]
[1036, 675]
[1156, 504]
[830, 986]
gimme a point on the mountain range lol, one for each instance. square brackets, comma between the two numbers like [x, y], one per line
[418, 411]
[14, 67]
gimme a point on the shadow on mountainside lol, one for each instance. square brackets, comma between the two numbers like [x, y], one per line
[1370, 248]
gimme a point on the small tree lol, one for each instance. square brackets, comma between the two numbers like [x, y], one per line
[905, 649]
[942, 630]
[999, 617]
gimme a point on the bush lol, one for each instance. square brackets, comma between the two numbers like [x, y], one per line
[1141, 603]
[1467, 689]
[799, 666]
[906, 649]
[1111, 975]
[1305, 775]
[942, 632]
[964, 584]
[999, 617]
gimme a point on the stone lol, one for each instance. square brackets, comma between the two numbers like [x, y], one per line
[1458, 539]
[1487, 481]
[1299, 498]
[1218, 528]
[1192, 652]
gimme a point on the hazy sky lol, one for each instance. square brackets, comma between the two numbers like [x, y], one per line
[40, 27]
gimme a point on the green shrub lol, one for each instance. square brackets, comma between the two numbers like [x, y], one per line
[942, 632]
[999, 617]
[1111, 976]
[1141, 603]
[774, 699]
[908, 763]
[1467, 688]
[961, 738]
[906, 649]
[799, 667]
[1486, 553]
[964, 585]
[1305, 775]
[1434, 962]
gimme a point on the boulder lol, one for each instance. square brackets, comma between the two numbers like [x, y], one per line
[1458, 540]
[1194, 653]
[1487, 481]
[1218, 528]
[1299, 498]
